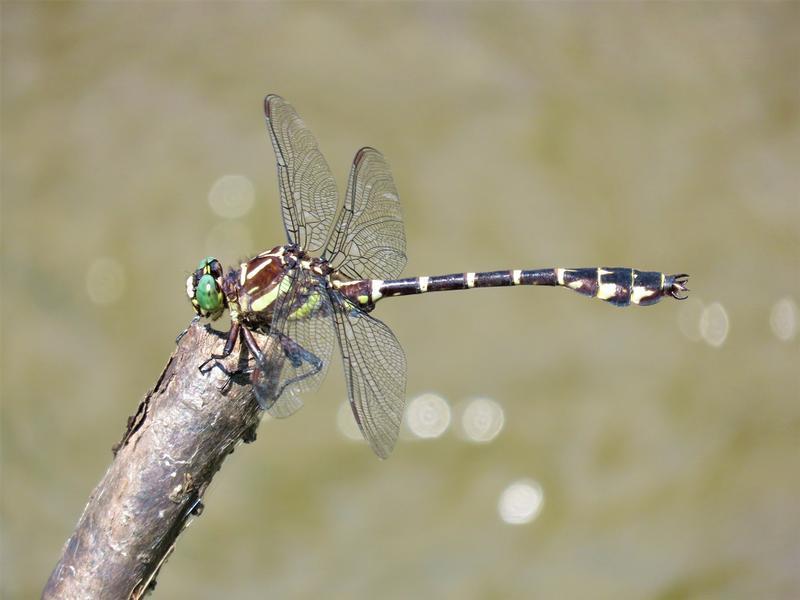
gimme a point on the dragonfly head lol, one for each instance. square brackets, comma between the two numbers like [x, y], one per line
[204, 288]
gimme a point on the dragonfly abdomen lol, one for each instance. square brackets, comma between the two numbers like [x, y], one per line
[620, 286]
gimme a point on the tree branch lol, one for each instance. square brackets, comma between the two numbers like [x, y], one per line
[174, 444]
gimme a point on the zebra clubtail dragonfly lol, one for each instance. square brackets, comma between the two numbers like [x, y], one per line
[302, 302]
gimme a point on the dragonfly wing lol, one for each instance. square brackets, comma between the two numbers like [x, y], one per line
[298, 347]
[375, 373]
[266, 378]
[309, 198]
[368, 240]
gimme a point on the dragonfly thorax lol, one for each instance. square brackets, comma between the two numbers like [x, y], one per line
[250, 291]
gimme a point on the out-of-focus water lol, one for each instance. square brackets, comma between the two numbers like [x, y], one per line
[558, 447]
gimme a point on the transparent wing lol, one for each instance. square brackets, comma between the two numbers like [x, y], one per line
[298, 347]
[368, 240]
[309, 198]
[375, 372]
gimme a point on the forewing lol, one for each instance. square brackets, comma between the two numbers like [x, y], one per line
[368, 240]
[299, 345]
[309, 198]
[375, 372]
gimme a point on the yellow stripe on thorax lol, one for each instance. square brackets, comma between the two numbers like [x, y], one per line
[262, 302]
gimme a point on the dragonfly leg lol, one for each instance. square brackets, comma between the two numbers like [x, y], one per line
[252, 345]
[297, 355]
[233, 335]
[294, 352]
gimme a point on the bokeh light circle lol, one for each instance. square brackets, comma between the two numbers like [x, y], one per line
[482, 420]
[714, 324]
[428, 416]
[521, 502]
[232, 196]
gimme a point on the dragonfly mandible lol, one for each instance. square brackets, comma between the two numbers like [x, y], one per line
[340, 259]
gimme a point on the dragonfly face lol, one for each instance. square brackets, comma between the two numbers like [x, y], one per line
[204, 288]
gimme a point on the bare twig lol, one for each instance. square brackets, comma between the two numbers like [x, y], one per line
[174, 444]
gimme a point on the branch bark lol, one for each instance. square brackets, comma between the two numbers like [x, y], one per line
[173, 446]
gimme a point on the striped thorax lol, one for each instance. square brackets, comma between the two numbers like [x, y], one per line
[250, 292]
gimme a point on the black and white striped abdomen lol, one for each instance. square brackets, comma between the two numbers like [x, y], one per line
[620, 286]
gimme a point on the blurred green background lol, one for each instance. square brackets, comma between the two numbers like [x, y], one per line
[664, 441]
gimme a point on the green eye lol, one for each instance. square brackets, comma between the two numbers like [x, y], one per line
[209, 296]
[205, 262]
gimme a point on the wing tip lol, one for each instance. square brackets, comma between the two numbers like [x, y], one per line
[268, 99]
[362, 152]
[381, 452]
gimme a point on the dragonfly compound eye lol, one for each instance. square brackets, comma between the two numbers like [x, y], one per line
[210, 265]
[208, 296]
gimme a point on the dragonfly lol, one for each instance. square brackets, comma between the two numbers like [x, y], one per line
[341, 258]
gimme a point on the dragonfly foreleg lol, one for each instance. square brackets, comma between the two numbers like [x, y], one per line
[233, 335]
